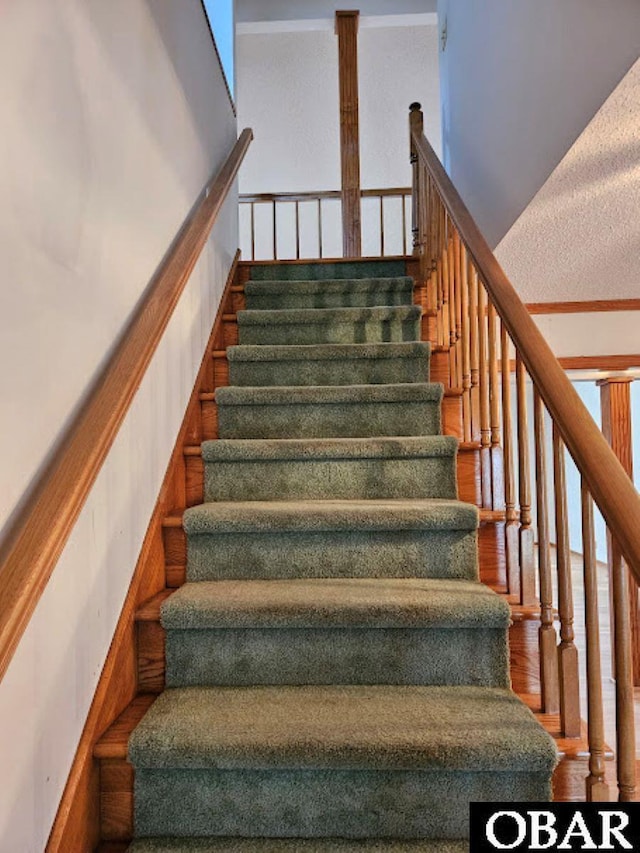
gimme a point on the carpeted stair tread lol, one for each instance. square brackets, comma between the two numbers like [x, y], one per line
[477, 729]
[329, 411]
[330, 325]
[325, 468]
[338, 602]
[328, 352]
[293, 845]
[324, 316]
[329, 364]
[353, 269]
[406, 447]
[324, 394]
[329, 515]
[272, 539]
[328, 293]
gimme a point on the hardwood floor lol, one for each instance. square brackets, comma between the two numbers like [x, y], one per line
[569, 779]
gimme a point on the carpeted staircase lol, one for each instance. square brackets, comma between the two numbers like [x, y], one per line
[337, 677]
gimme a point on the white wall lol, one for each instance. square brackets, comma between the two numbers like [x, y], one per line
[578, 239]
[287, 77]
[114, 116]
[520, 81]
[282, 10]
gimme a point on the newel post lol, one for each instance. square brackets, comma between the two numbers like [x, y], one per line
[416, 126]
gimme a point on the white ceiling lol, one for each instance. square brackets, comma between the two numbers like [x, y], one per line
[287, 10]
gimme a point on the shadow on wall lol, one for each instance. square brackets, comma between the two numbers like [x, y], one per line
[578, 238]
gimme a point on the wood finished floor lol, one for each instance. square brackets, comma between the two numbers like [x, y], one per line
[569, 778]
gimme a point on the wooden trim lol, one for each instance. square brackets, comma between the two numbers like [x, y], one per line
[347, 32]
[31, 549]
[600, 362]
[257, 198]
[585, 307]
[286, 261]
[612, 490]
[77, 824]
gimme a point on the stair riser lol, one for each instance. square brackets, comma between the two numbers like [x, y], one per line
[358, 371]
[339, 420]
[429, 655]
[364, 299]
[333, 554]
[323, 271]
[335, 332]
[349, 479]
[316, 803]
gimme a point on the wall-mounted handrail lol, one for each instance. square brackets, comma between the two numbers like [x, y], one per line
[608, 482]
[37, 536]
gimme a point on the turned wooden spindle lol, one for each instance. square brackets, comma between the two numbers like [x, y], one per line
[474, 354]
[451, 267]
[497, 484]
[525, 533]
[547, 637]
[457, 288]
[466, 345]
[597, 788]
[511, 516]
[485, 413]
[567, 651]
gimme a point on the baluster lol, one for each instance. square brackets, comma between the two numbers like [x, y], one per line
[404, 224]
[485, 416]
[253, 232]
[457, 254]
[319, 227]
[451, 262]
[381, 226]
[567, 651]
[597, 788]
[446, 308]
[466, 346]
[473, 346]
[275, 245]
[511, 517]
[526, 549]
[416, 125]
[547, 636]
[623, 663]
[297, 231]
[497, 474]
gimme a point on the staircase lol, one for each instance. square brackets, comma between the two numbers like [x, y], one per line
[336, 675]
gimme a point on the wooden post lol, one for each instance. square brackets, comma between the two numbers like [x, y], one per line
[615, 399]
[526, 545]
[347, 32]
[416, 125]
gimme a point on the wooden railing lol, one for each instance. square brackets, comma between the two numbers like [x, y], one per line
[34, 542]
[293, 221]
[476, 317]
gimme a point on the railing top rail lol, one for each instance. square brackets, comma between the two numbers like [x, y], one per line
[608, 482]
[31, 548]
[309, 195]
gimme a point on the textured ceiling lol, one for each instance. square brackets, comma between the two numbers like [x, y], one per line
[579, 238]
[286, 10]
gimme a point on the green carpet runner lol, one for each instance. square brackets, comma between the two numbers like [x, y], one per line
[337, 677]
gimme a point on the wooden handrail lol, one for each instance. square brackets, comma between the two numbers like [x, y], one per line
[609, 484]
[306, 195]
[35, 540]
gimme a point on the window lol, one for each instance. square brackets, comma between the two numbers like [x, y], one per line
[220, 14]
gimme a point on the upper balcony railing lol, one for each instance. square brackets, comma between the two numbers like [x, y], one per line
[308, 225]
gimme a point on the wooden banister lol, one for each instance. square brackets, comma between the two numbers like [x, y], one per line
[31, 547]
[606, 479]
